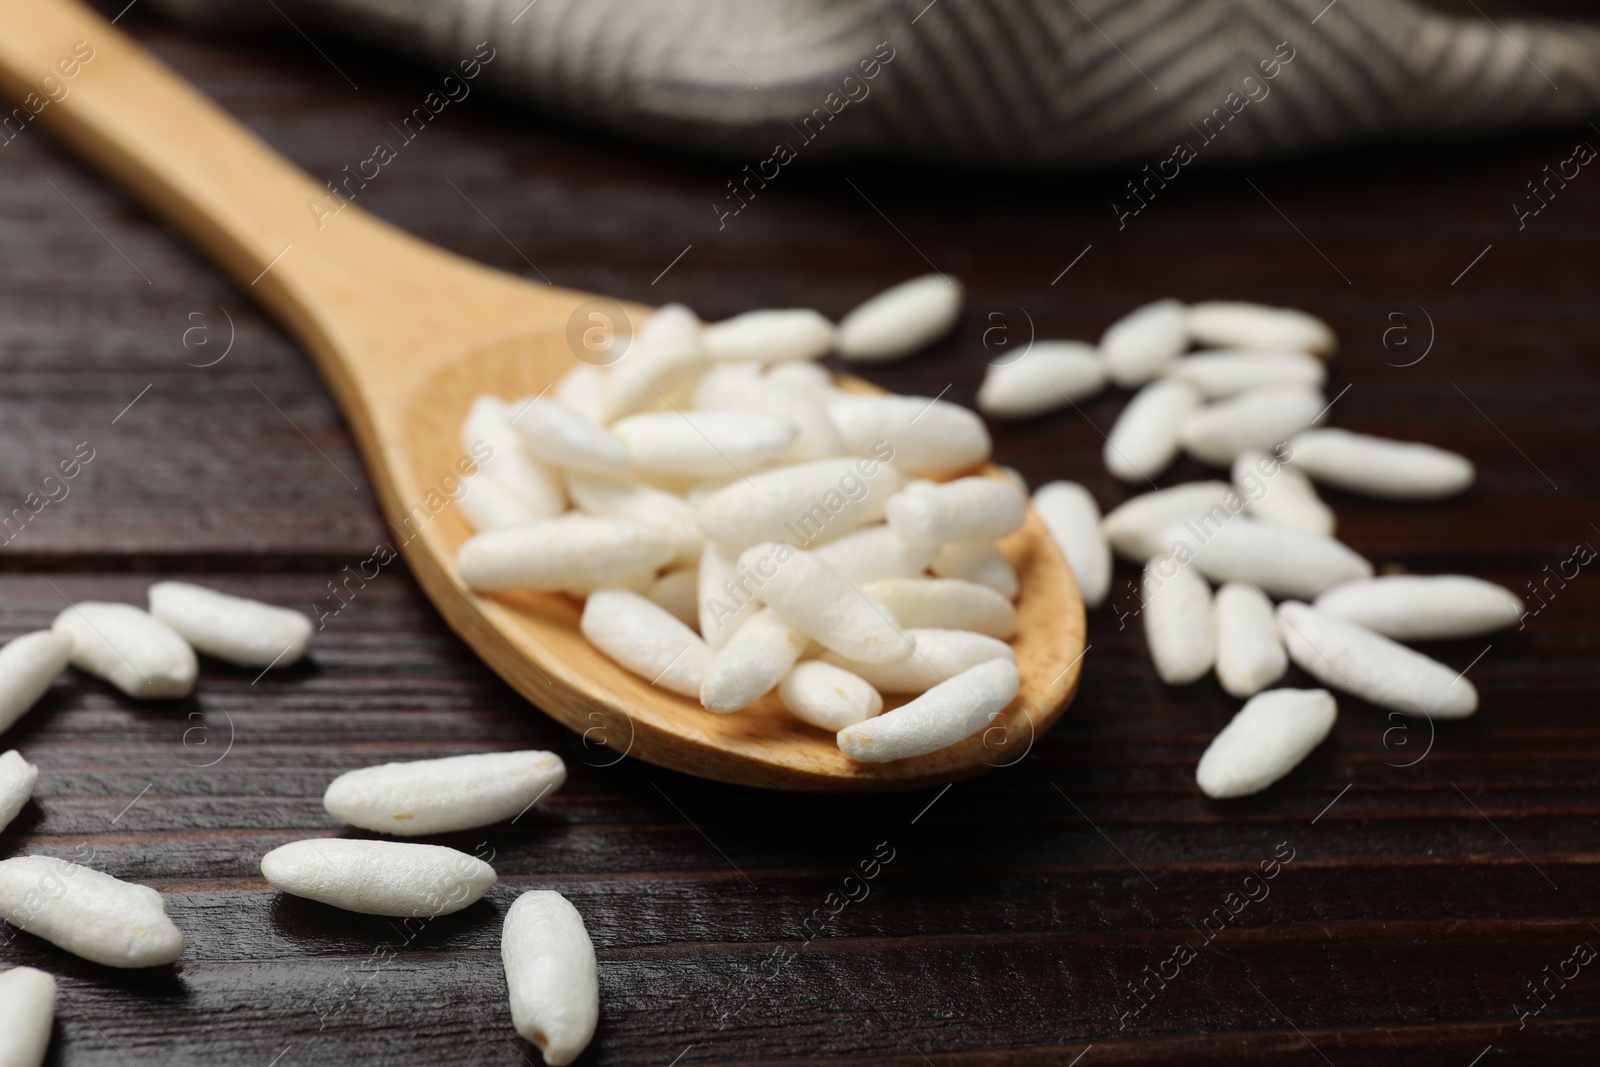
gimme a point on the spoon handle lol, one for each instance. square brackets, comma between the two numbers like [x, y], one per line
[346, 284]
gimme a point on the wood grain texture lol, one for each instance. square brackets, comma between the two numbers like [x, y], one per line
[1016, 909]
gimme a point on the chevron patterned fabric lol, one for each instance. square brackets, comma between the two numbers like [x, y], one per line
[1063, 84]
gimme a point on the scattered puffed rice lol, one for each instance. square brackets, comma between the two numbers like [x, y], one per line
[1073, 519]
[1179, 626]
[398, 878]
[439, 796]
[1250, 653]
[17, 778]
[900, 320]
[1049, 375]
[130, 648]
[1237, 324]
[28, 666]
[1254, 419]
[1376, 466]
[1135, 528]
[1269, 737]
[1423, 608]
[1223, 374]
[1144, 440]
[1372, 667]
[232, 628]
[784, 499]
[551, 975]
[947, 713]
[1277, 560]
[90, 914]
[1144, 343]
[1277, 493]
[27, 1013]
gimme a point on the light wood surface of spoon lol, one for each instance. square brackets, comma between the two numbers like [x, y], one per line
[406, 335]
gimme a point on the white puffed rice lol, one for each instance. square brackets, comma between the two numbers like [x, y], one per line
[398, 878]
[130, 648]
[1269, 737]
[232, 628]
[88, 913]
[439, 796]
[900, 320]
[28, 665]
[552, 976]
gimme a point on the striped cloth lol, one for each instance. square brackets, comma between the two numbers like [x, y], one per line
[1022, 83]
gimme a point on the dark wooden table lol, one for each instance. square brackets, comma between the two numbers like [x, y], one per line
[1434, 873]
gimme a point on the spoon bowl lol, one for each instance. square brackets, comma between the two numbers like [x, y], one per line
[407, 335]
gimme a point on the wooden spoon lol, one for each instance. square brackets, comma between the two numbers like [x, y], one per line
[407, 335]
